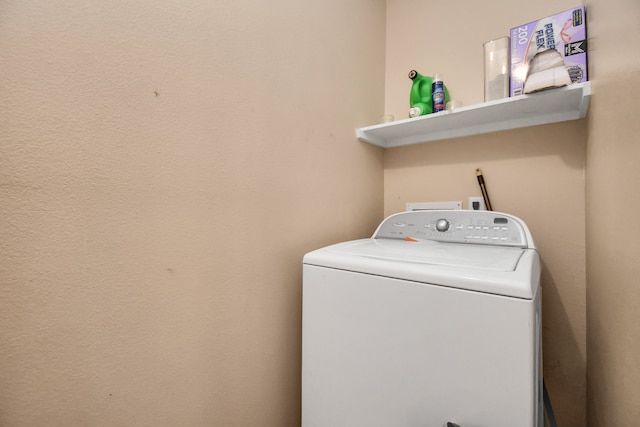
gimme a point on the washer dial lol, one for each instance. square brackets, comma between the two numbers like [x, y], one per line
[442, 224]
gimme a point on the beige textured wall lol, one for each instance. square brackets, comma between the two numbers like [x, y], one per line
[613, 203]
[535, 173]
[164, 166]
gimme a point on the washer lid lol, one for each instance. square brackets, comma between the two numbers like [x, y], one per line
[501, 270]
[430, 252]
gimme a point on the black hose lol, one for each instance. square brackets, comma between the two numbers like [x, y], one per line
[547, 406]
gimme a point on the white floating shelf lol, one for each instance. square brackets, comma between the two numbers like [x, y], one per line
[549, 106]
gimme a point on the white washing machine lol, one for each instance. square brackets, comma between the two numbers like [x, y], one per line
[433, 321]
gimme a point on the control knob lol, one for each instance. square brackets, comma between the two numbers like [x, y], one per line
[442, 224]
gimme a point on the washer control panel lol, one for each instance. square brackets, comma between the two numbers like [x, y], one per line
[456, 226]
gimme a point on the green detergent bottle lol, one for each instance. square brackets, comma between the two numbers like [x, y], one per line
[420, 99]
